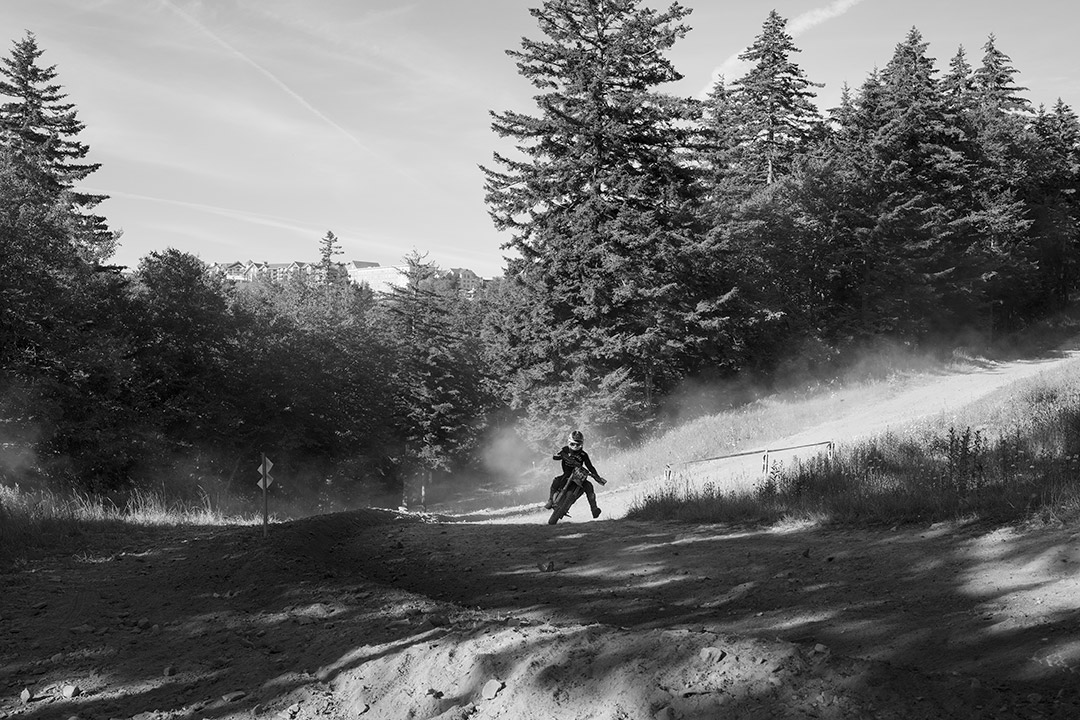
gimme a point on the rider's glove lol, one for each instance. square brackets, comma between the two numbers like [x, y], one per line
[601, 480]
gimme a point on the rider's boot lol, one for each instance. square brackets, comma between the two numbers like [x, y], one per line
[551, 501]
[596, 511]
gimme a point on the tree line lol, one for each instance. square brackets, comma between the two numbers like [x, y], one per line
[113, 379]
[663, 238]
[657, 240]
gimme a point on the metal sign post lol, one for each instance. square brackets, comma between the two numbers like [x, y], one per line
[264, 482]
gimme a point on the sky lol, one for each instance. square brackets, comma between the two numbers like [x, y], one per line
[246, 129]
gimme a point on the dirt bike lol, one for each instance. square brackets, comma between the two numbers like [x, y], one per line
[569, 494]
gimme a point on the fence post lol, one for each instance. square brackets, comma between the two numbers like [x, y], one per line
[765, 463]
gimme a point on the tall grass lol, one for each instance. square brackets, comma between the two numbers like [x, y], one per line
[1011, 456]
[750, 426]
[36, 519]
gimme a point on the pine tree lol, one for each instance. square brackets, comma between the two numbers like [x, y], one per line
[329, 246]
[864, 276]
[925, 151]
[64, 372]
[1000, 177]
[717, 147]
[438, 378]
[959, 83]
[775, 97]
[38, 123]
[994, 80]
[1054, 201]
[600, 204]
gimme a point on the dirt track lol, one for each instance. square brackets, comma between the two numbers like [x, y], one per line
[372, 610]
[375, 614]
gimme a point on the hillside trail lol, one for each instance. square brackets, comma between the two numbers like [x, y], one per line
[939, 394]
[391, 614]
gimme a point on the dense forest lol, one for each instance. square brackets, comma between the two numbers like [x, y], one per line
[657, 241]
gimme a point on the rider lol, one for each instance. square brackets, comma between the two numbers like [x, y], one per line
[573, 455]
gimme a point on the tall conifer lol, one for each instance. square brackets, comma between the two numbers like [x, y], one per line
[776, 99]
[600, 206]
[38, 124]
[959, 83]
[1054, 200]
[995, 79]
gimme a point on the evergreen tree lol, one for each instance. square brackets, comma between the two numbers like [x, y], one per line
[601, 206]
[181, 330]
[1054, 202]
[958, 85]
[717, 147]
[999, 180]
[64, 371]
[310, 381]
[329, 246]
[994, 80]
[441, 391]
[924, 151]
[37, 122]
[778, 115]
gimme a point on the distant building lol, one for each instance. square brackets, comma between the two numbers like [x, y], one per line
[469, 284]
[250, 271]
[285, 271]
[379, 278]
[353, 265]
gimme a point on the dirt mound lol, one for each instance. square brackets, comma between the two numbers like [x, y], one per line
[597, 672]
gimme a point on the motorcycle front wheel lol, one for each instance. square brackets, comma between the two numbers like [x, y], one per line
[562, 505]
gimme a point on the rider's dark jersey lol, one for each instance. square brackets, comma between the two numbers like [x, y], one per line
[572, 458]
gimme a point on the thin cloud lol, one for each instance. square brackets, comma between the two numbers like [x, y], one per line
[380, 40]
[813, 18]
[233, 214]
[314, 229]
[194, 22]
[734, 67]
[394, 165]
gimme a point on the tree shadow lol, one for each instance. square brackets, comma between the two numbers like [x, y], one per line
[282, 617]
[170, 620]
[911, 598]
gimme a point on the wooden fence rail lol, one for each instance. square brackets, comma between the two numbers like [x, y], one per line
[764, 456]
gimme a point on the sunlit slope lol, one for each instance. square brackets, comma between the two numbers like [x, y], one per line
[685, 454]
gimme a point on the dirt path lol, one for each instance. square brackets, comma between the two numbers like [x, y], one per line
[380, 615]
[376, 614]
[939, 395]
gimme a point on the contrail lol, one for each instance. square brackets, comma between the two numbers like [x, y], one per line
[370, 238]
[813, 18]
[243, 215]
[733, 66]
[265, 73]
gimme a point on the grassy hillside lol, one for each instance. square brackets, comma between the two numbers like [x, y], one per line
[1012, 455]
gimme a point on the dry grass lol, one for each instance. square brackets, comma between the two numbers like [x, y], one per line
[1012, 456]
[750, 427]
[43, 518]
